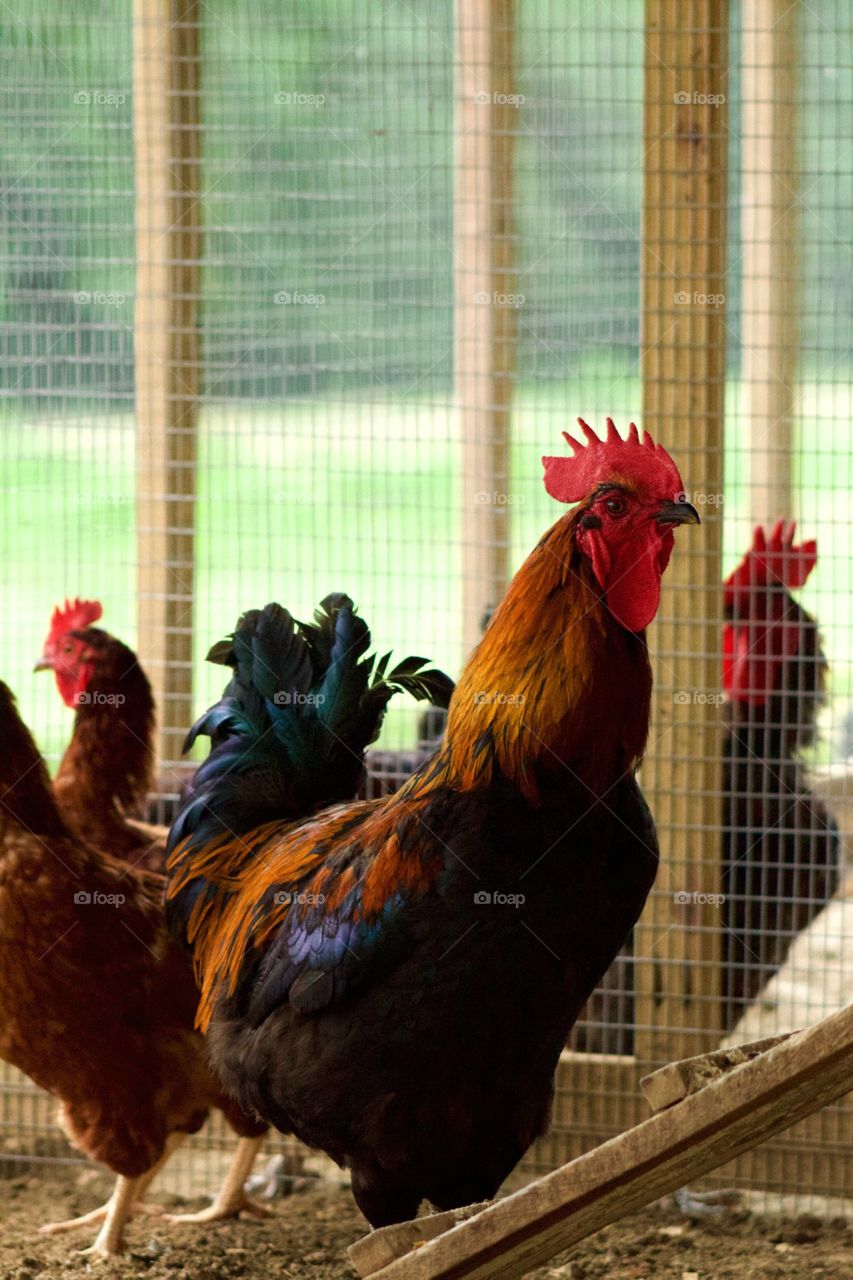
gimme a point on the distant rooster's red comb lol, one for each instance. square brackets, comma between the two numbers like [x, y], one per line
[570, 479]
[772, 559]
[75, 615]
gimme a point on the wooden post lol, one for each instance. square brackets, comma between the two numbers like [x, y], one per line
[486, 298]
[769, 254]
[166, 144]
[683, 368]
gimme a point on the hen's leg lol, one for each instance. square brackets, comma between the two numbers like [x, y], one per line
[110, 1238]
[94, 1216]
[122, 1202]
[102, 1213]
[231, 1198]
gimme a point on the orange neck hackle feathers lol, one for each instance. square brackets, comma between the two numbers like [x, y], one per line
[525, 699]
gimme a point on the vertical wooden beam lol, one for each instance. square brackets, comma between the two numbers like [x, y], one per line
[166, 140]
[486, 299]
[683, 368]
[770, 229]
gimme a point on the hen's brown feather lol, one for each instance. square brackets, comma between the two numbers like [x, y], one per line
[98, 1003]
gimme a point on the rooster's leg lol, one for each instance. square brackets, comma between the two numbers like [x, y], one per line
[231, 1198]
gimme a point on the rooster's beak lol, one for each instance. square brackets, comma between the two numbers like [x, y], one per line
[44, 664]
[677, 513]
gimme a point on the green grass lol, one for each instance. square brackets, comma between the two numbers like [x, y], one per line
[362, 496]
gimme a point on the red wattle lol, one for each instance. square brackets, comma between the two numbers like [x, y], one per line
[632, 590]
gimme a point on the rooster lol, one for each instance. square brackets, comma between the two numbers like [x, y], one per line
[107, 769]
[393, 980]
[781, 845]
[97, 1003]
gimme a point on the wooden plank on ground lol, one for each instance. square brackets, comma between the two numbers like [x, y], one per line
[731, 1115]
[678, 1080]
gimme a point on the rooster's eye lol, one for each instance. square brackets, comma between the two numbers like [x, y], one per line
[616, 506]
[68, 648]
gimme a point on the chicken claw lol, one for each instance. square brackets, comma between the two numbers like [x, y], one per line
[71, 1224]
[220, 1210]
[231, 1199]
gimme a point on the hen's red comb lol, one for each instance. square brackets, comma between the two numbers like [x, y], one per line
[638, 459]
[75, 616]
[772, 559]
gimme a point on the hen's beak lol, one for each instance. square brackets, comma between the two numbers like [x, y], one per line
[44, 664]
[677, 513]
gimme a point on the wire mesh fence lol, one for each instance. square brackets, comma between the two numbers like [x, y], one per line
[410, 248]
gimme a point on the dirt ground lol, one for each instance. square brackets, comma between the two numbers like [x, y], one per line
[307, 1236]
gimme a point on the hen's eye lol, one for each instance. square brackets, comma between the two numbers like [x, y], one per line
[68, 648]
[616, 506]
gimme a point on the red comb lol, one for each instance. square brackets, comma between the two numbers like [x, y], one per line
[640, 459]
[75, 616]
[772, 559]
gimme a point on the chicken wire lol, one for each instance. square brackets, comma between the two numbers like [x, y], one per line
[330, 435]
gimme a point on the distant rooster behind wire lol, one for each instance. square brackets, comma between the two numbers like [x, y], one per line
[781, 845]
